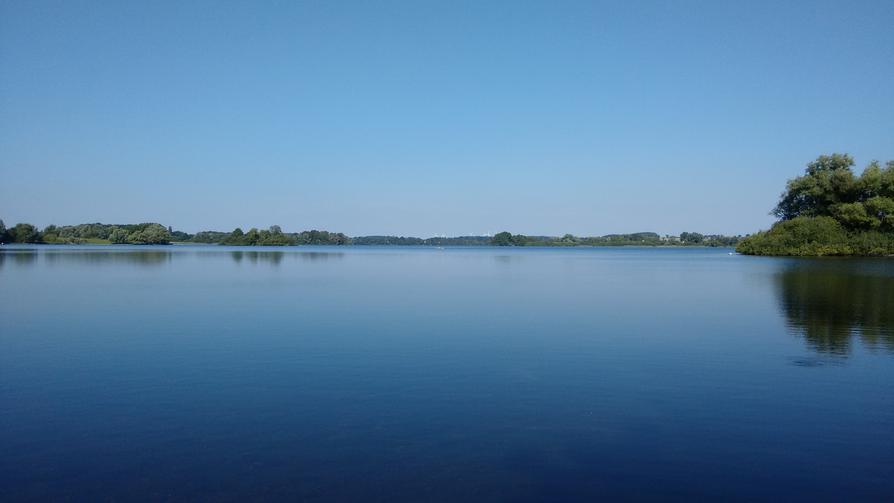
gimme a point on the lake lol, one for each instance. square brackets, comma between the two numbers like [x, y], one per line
[420, 374]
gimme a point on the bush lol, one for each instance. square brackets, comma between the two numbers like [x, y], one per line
[873, 243]
[816, 236]
[799, 237]
[118, 236]
[149, 234]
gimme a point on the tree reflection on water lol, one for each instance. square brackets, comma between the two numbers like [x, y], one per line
[831, 302]
[274, 257]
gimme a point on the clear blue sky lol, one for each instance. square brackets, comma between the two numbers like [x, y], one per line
[423, 118]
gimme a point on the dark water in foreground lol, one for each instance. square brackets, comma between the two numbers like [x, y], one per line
[183, 373]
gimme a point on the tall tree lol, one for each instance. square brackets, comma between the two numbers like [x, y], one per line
[828, 181]
[502, 239]
[25, 233]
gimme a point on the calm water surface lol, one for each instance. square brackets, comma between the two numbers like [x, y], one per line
[418, 374]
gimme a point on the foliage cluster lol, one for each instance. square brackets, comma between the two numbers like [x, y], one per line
[831, 211]
[20, 233]
[145, 233]
[274, 236]
[153, 233]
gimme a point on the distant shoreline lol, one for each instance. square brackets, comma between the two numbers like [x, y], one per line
[156, 234]
[203, 245]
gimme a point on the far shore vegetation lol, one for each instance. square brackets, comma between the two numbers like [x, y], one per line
[831, 211]
[827, 211]
[157, 234]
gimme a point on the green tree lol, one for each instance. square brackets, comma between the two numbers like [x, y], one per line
[691, 238]
[828, 180]
[118, 236]
[853, 215]
[50, 234]
[252, 237]
[157, 234]
[25, 233]
[274, 236]
[882, 210]
[502, 239]
[150, 234]
[237, 237]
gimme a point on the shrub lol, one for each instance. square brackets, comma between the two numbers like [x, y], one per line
[816, 236]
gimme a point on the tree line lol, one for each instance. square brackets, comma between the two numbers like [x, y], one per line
[634, 239]
[273, 236]
[413, 241]
[145, 233]
[831, 211]
[157, 234]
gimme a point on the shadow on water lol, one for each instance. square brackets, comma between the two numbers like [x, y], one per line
[829, 303]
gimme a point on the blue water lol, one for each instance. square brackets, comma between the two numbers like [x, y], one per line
[419, 374]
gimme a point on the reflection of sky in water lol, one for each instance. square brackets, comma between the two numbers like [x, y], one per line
[828, 302]
[457, 374]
